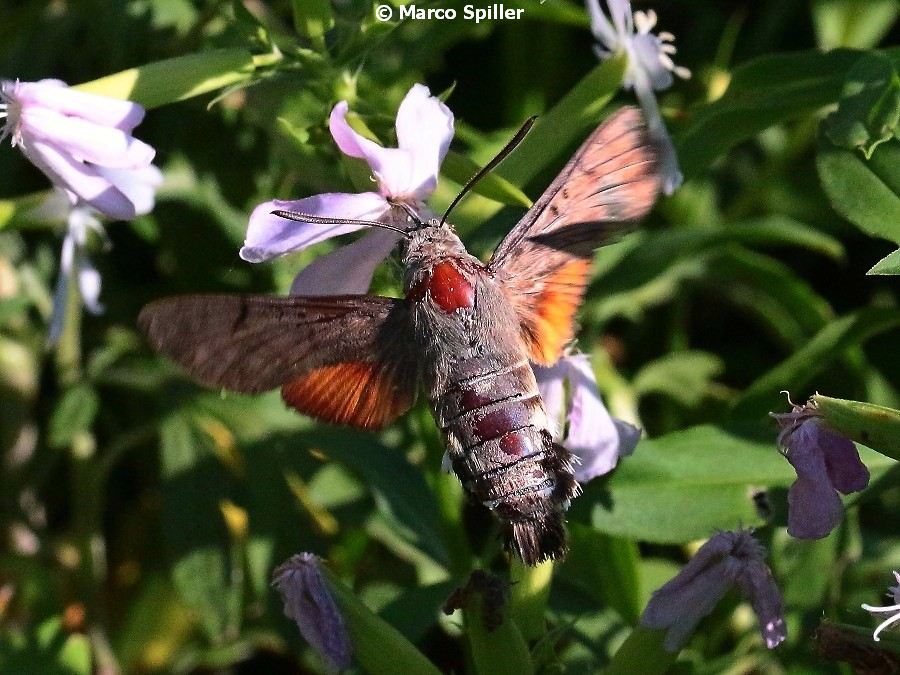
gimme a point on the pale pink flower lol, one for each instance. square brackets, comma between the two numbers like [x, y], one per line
[586, 429]
[406, 174]
[83, 143]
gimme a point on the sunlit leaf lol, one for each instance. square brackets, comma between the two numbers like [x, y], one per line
[176, 79]
[763, 92]
[867, 193]
[890, 264]
[869, 108]
[688, 484]
[799, 369]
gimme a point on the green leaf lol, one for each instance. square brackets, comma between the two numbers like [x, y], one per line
[799, 369]
[177, 79]
[495, 642]
[771, 292]
[194, 528]
[74, 657]
[874, 426]
[642, 652]
[565, 122]
[890, 264]
[867, 193]
[762, 92]
[530, 592]
[682, 376]
[605, 568]
[312, 18]
[377, 646]
[460, 168]
[869, 108]
[853, 23]
[73, 414]
[687, 484]
[400, 490]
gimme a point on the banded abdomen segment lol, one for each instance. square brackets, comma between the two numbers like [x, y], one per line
[502, 451]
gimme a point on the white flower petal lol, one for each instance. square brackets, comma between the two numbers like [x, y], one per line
[392, 167]
[424, 129]
[88, 141]
[648, 51]
[620, 12]
[601, 27]
[55, 95]
[348, 269]
[672, 177]
[89, 283]
[593, 436]
[61, 292]
[138, 185]
[81, 179]
[269, 236]
[551, 384]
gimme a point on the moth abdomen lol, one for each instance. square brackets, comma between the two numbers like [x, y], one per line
[503, 453]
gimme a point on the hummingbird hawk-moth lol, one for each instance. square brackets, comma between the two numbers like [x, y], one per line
[469, 332]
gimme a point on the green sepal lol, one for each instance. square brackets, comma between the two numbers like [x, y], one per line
[871, 425]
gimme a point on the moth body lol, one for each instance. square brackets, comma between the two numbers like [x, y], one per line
[467, 332]
[483, 393]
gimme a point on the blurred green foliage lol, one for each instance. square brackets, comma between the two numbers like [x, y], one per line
[144, 516]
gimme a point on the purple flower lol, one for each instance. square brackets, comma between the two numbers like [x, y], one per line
[406, 174]
[83, 144]
[826, 463]
[650, 67]
[308, 601]
[893, 610]
[727, 559]
[594, 437]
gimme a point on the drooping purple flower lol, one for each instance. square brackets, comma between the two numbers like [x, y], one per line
[308, 601]
[83, 143]
[728, 559]
[826, 463]
[893, 610]
[406, 174]
[650, 68]
[590, 433]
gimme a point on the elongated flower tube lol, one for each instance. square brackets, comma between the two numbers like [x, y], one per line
[83, 143]
[650, 68]
[597, 439]
[406, 174]
[826, 463]
[308, 601]
[728, 559]
[893, 611]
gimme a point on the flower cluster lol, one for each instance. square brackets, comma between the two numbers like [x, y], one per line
[83, 143]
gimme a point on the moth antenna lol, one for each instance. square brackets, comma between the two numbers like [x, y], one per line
[499, 157]
[321, 220]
